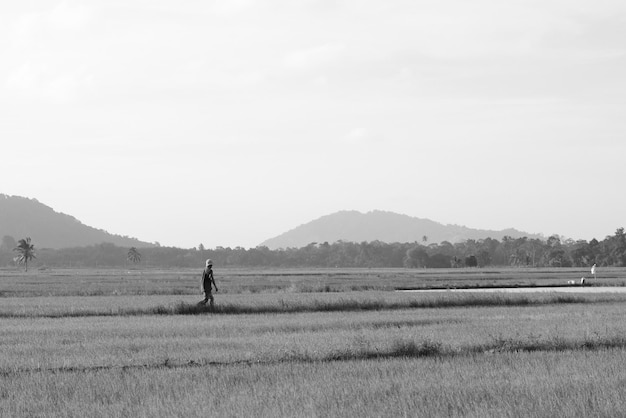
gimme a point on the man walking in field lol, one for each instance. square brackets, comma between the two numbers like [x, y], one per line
[207, 282]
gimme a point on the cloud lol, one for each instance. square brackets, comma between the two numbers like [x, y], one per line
[201, 74]
[24, 77]
[36, 80]
[231, 7]
[311, 58]
[66, 17]
[47, 55]
[66, 88]
[25, 29]
[363, 136]
[32, 27]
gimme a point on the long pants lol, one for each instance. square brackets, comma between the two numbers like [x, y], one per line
[208, 296]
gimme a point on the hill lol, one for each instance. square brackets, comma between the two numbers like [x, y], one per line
[383, 226]
[21, 217]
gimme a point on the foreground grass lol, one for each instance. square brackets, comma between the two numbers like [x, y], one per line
[138, 341]
[400, 347]
[343, 354]
[541, 384]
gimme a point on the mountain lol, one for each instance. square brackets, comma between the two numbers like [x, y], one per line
[21, 217]
[382, 226]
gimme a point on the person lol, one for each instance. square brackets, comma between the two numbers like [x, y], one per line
[207, 282]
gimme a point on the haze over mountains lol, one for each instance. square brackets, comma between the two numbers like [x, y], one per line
[22, 217]
[382, 226]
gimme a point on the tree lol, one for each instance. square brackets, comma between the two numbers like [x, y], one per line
[133, 255]
[439, 261]
[619, 247]
[416, 257]
[582, 254]
[471, 261]
[483, 258]
[25, 252]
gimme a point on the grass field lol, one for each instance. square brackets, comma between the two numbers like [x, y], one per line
[113, 282]
[278, 351]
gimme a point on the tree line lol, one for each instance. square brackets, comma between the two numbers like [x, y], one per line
[520, 252]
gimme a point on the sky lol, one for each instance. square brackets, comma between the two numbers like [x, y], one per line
[227, 123]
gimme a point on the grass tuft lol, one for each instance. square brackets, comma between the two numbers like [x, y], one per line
[411, 348]
[556, 343]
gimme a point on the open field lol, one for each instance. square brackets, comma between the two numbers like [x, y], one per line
[282, 352]
[538, 384]
[93, 282]
[280, 303]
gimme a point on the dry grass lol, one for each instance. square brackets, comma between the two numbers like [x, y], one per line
[544, 384]
[290, 354]
[143, 282]
[279, 303]
[153, 340]
[517, 384]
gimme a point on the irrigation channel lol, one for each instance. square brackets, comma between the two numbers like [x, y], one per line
[559, 289]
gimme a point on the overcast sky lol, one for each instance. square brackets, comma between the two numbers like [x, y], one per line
[229, 122]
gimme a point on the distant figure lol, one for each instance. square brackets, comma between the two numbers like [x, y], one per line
[582, 281]
[207, 282]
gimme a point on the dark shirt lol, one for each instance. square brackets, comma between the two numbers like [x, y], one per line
[207, 279]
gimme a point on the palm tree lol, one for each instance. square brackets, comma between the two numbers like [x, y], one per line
[133, 255]
[25, 252]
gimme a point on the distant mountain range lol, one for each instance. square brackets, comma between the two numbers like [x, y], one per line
[383, 226]
[21, 217]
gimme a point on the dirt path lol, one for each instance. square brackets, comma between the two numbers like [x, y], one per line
[572, 289]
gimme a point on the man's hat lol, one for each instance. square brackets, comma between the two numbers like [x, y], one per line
[209, 262]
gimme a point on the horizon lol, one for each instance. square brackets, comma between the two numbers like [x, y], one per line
[277, 236]
[228, 123]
